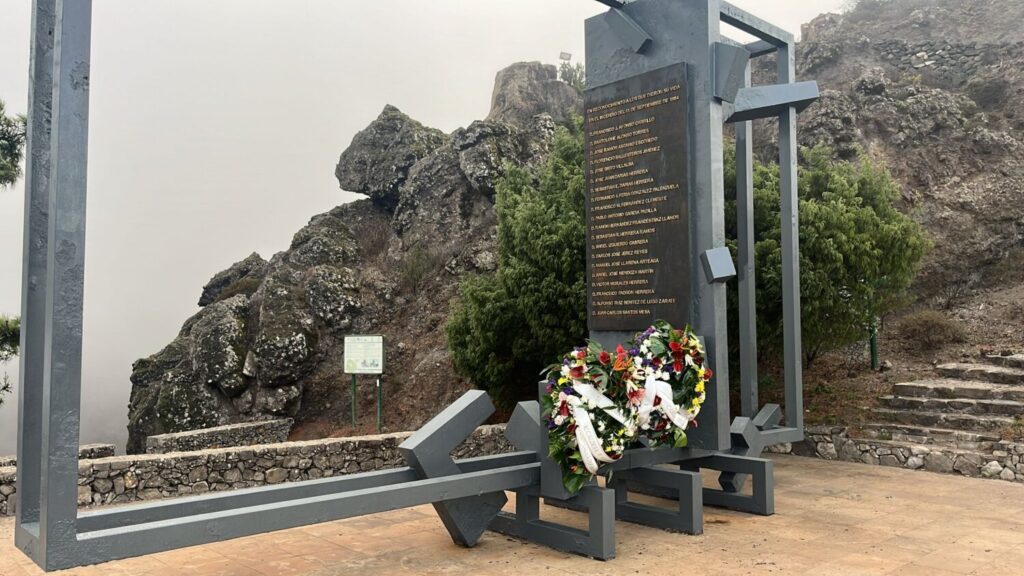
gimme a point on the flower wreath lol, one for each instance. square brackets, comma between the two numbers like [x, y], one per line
[600, 403]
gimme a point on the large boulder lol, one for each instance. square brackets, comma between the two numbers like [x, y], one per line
[379, 158]
[526, 89]
[242, 277]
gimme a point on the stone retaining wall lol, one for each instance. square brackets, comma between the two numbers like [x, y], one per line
[833, 443]
[957, 62]
[85, 452]
[122, 479]
[245, 434]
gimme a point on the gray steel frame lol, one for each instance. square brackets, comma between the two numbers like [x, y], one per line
[50, 530]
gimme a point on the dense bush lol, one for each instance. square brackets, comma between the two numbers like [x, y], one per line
[930, 329]
[510, 324]
[858, 255]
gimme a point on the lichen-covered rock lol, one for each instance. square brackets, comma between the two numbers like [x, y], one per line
[270, 340]
[526, 89]
[379, 158]
[241, 278]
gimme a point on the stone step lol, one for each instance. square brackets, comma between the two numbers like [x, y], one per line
[950, 389]
[958, 439]
[956, 405]
[1011, 361]
[983, 372]
[947, 420]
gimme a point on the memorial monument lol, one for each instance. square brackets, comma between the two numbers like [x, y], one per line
[662, 82]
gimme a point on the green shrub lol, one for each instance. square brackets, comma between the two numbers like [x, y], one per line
[510, 324]
[858, 254]
[930, 329]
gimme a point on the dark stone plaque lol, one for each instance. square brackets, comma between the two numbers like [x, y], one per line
[638, 253]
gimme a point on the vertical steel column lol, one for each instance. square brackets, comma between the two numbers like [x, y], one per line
[707, 227]
[746, 273]
[33, 280]
[65, 275]
[790, 247]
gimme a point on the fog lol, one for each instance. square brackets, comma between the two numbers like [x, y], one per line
[215, 127]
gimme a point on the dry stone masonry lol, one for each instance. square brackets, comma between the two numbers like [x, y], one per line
[245, 434]
[123, 479]
[953, 424]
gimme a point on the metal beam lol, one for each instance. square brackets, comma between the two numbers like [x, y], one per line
[760, 48]
[106, 518]
[65, 276]
[753, 25]
[790, 209]
[772, 101]
[747, 276]
[140, 539]
[33, 282]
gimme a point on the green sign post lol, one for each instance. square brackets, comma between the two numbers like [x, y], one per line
[365, 355]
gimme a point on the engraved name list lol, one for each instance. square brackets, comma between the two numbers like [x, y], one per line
[636, 168]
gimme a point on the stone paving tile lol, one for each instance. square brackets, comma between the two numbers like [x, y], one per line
[832, 518]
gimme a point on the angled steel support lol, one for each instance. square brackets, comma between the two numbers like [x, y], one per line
[760, 48]
[428, 451]
[730, 64]
[628, 31]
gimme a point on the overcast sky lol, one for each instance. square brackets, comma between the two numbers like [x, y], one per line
[215, 126]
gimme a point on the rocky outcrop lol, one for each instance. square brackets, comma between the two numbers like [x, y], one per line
[932, 89]
[241, 278]
[379, 158]
[268, 342]
[526, 89]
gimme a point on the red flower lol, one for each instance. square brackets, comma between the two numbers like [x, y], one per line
[708, 373]
[576, 372]
[604, 357]
[635, 397]
[563, 410]
[678, 366]
[571, 429]
[675, 346]
[580, 354]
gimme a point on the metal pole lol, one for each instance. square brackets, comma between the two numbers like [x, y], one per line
[380, 402]
[793, 349]
[745, 244]
[65, 278]
[873, 331]
[33, 285]
[353, 400]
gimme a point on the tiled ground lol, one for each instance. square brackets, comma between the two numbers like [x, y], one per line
[832, 518]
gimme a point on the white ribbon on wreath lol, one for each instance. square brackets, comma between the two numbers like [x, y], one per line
[654, 389]
[589, 443]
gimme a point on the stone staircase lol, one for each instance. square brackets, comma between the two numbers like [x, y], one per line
[953, 423]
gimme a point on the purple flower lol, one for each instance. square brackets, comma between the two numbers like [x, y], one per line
[568, 390]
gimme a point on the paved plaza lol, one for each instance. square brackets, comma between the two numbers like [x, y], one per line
[833, 518]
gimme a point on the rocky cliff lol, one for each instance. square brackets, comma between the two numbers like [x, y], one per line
[933, 89]
[268, 339]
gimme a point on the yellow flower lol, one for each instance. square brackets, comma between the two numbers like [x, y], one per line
[700, 373]
[700, 386]
[563, 380]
